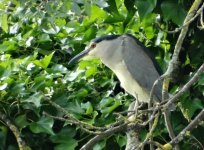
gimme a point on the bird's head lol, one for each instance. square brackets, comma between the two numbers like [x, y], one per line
[98, 48]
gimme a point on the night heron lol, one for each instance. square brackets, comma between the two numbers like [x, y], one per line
[130, 60]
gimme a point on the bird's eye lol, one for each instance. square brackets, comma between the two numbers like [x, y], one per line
[93, 45]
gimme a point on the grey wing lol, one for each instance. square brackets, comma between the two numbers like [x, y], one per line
[140, 65]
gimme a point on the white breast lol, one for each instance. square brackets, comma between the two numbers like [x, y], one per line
[129, 83]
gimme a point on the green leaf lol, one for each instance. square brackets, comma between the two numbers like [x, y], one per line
[69, 145]
[149, 32]
[59, 68]
[101, 14]
[63, 136]
[107, 110]
[88, 107]
[4, 22]
[82, 93]
[121, 140]
[100, 145]
[105, 102]
[44, 125]
[112, 8]
[129, 4]
[87, 7]
[3, 86]
[35, 99]
[44, 62]
[90, 34]
[91, 71]
[44, 38]
[8, 46]
[75, 8]
[18, 88]
[21, 121]
[3, 136]
[73, 75]
[173, 11]
[189, 107]
[145, 7]
[201, 80]
[60, 22]
[74, 107]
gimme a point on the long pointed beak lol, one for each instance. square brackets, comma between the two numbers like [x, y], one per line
[78, 56]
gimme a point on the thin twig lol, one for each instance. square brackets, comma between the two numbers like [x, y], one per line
[174, 61]
[149, 134]
[171, 100]
[97, 138]
[150, 105]
[201, 21]
[21, 144]
[72, 119]
[199, 12]
[81, 127]
[191, 125]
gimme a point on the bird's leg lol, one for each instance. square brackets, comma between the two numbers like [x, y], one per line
[134, 108]
[133, 139]
[136, 105]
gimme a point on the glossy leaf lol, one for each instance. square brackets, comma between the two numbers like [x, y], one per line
[177, 15]
[145, 7]
[44, 62]
[44, 125]
[4, 22]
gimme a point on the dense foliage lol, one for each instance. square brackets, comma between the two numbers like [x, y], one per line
[37, 40]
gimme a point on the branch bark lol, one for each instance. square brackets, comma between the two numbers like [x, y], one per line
[21, 144]
[185, 87]
[191, 125]
[174, 62]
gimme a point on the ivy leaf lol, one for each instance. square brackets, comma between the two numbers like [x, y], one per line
[88, 107]
[107, 110]
[173, 11]
[4, 22]
[100, 145]
[3, 86]
[44, 62]
[112, 7]
[87, 7]
[69, 145]
[121, 140]
[145, 7]
[44, 125]
[44, 38]
[35, 99]
[201, 80]
[189, 107]
[65, 139]
[101, 14]
[21, 121]
[90, 34]
[91, 71]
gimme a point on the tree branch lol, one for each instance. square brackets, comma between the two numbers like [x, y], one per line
[97, 138]
[185, 87]
[191, 125]
[21, 144]
[174, 61]
[199, 12]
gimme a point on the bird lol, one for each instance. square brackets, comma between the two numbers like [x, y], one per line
[132, 63]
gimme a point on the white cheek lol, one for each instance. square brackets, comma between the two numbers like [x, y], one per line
[92, 53]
